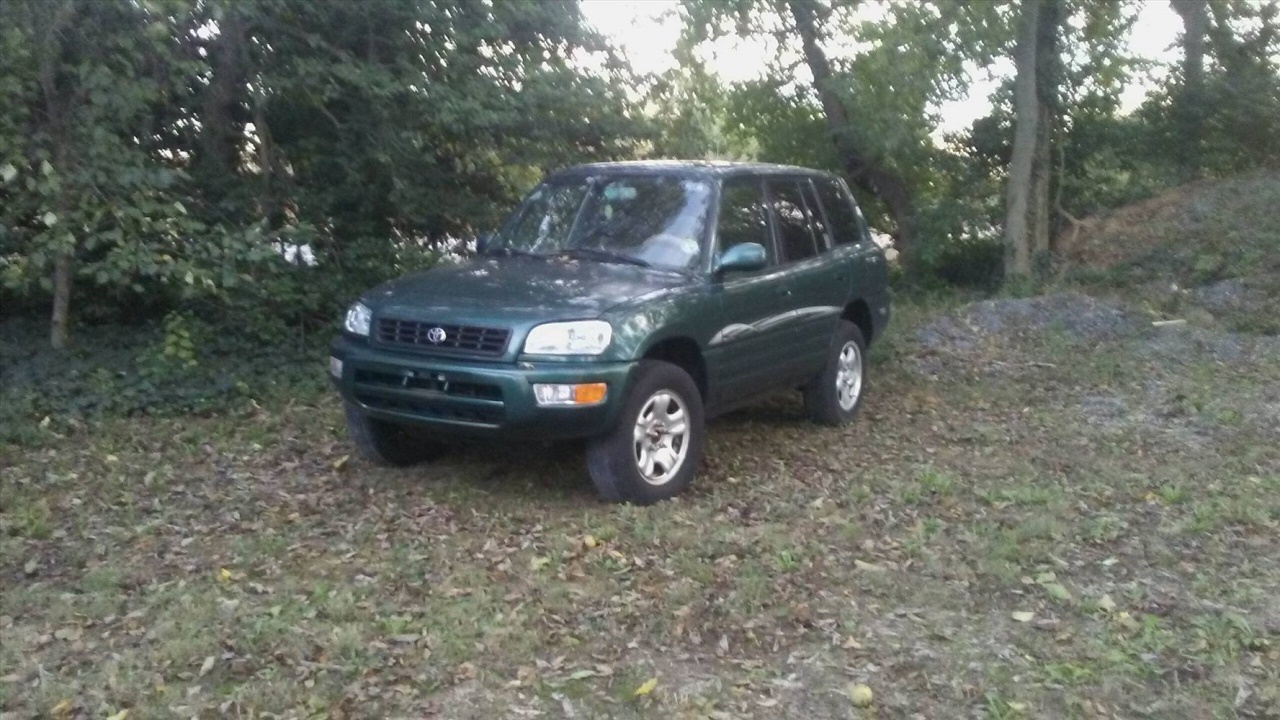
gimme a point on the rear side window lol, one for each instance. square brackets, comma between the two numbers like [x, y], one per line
[816, 219]
[795, 234]
[845, 228]
[744, 217]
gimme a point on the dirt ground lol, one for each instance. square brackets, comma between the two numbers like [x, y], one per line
[1047, 508]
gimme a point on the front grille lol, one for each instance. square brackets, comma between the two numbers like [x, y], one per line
[458, 339]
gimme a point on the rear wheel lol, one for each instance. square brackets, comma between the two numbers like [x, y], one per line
[653, 451]
[385, 443]
[834, 396]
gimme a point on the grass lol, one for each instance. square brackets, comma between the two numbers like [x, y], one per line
[230, 564]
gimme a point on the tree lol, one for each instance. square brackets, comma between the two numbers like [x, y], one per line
[1191, 98]
[86, 195]
[871, 81]
[1026, 229]
[862, 170]
[173, 153]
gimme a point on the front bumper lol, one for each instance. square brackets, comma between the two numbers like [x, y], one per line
[484, 399]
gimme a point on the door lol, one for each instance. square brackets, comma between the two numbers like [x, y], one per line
[854, 248]
[818, 285]
[748, 346]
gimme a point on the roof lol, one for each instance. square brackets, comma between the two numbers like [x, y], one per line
[717, 168]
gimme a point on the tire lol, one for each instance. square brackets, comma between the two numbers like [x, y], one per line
[387, 444]
[827, 397]
[660, 394]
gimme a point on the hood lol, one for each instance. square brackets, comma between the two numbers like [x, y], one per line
[517, 288]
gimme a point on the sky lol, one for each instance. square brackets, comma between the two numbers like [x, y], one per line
[646, 32]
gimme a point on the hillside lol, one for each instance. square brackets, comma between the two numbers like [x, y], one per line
[1210, 250]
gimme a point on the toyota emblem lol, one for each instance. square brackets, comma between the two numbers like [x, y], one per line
[437, 335]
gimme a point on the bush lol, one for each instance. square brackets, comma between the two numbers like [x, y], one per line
[976, 263]
[181, 365]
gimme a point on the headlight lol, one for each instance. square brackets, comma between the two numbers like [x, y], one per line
[357, 320]
[583, 337]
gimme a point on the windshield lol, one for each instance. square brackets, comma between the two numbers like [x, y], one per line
[645, 220]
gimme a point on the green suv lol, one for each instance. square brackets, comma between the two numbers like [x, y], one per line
[623, 303]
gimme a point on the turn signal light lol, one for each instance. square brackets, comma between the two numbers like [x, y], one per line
[579, 394]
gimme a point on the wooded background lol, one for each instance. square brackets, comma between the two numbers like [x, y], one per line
[166, 159]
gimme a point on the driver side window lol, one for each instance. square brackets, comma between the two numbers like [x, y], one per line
[744, 216]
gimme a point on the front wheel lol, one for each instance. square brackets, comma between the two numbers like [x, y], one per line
[653, 451]
[387, 443]
[834, 396]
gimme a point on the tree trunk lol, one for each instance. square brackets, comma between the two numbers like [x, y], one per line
[1026, 228]
[862, 171]
[1046, 75]
[1190, 106]
[58, 332]
[1027, 117]
[223, 106]
[64, 261]
[46, 21]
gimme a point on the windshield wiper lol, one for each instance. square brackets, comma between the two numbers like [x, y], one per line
[606, 256]
[513, 252]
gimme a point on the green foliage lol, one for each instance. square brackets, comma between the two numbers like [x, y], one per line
[900, 67]
[180, 366]
[261, 161]
[252, 164]
[693, 112]
[1240, 107]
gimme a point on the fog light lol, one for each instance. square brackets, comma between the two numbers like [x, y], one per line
[335, 367]
[580, 394]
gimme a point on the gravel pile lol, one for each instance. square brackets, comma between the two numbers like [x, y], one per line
[978, 325]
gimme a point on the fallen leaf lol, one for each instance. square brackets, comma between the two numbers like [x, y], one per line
[582, 674]
[860, 695]
[341, 462]
[1022, 615]
[31, 566]
[589, 542]
[224, 575]
[1057, 591]
[1106, 603]
[61, 708]
[537, 562]
[120, 715]
[646, 687]
[207, 665]
[869, 567]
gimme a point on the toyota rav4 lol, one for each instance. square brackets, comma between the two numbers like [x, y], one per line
[623, 304]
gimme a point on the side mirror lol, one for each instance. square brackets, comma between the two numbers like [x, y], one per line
[744, 257]
[482, 242]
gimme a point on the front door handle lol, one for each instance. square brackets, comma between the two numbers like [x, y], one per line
[784, 291]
